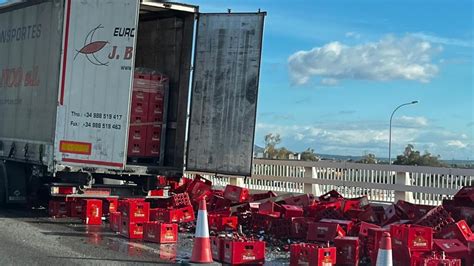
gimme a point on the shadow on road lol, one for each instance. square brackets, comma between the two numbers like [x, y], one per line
[110, 260]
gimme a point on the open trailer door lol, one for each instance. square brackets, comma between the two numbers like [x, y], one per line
[224, 93]
[96, 80]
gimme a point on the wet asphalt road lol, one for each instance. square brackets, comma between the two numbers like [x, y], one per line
[31, 238]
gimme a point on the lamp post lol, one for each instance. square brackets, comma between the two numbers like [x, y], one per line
[390, 131]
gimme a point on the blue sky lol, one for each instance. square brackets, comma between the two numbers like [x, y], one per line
[333, 71]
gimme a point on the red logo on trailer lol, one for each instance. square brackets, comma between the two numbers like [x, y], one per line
[91, 47]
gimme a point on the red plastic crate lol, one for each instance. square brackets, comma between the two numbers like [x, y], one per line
[262, 196]
[269, 206]
[114, 221]
[153, 133]
[217, 203]
[180, 200]
[463, 213]
[236, 193]
[217, 248]
[153, 149]
[363, 237]
[289, 211]
[347, 248]
[161, 233]
[373, 240]
[199, 188]
[141, 80]
[57, 208]
[465, 197]
[136, 148]
[324, 232]
[110, 205]
[74, 207]
[430, 260]
[187, 214]
[92, 211]
[415, 238]
[364, 228]
[356, 203]
[244, 252]
[280, 228]
[302, 200]
[139, 108]
[345, 224]
[221, 223]
[158, 80]
[182, 215]
[137, 119]
[312, 254]
[249, 206]
[299, 227]
[332, 195]
[166, 216]
[137, 133]
[454, 248]
[136, 211]
[140, 95]
[262, 221]
[436, 218]
[459, 230]
[131, 230]
[329, 213]
[155, 110]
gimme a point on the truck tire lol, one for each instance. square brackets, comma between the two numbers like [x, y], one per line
[3, 184]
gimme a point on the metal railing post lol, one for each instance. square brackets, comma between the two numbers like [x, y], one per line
[310, 172]
[403, 178]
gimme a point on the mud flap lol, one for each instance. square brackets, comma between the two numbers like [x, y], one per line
[3, 183]
[16, 188]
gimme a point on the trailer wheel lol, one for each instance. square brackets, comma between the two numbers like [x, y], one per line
[3, 184]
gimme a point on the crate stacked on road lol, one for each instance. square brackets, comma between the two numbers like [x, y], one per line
[147, 116]
[236, 250]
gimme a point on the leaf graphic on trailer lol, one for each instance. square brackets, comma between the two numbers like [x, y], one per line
[93, 47]
[89, 49]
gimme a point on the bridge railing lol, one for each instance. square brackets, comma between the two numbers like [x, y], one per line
[386, 183]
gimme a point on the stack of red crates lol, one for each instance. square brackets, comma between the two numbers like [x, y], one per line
[134, 214]
[147, 114]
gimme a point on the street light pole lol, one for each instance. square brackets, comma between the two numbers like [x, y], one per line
[390, 131]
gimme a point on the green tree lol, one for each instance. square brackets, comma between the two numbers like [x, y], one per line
[309, 155]
[368, 159]
[411, 156]
[283, 153]
[271, 141]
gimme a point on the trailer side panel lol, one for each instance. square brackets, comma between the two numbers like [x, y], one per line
[30, 50]
[95, 88]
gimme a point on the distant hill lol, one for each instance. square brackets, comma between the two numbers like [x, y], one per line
[258, 149]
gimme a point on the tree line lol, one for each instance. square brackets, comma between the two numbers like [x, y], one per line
[410, 155]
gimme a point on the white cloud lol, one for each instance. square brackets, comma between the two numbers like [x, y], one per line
[456, 144]
[442, 40]
[390, 58]
[352, 34]
[410, 121]
[329, 81]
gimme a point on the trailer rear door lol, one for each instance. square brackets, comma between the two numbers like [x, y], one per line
[224, 93]
[96, 81]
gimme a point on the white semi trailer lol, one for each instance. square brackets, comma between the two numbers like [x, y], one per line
[66, 78]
